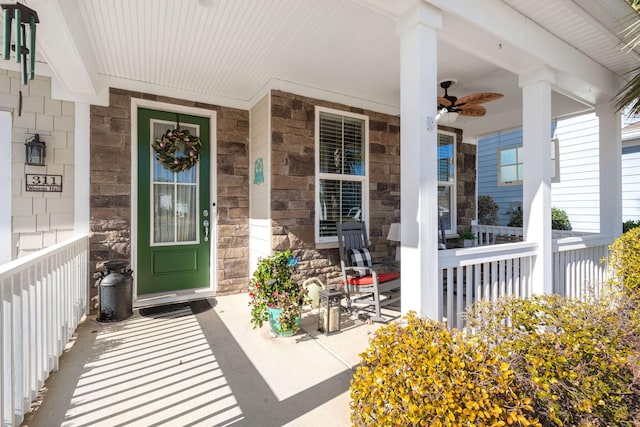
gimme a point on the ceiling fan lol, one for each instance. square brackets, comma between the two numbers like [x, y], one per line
[467, 105]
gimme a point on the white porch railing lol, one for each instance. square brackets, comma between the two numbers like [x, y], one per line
[579, 265]
[484, 273]
[44, 297]
[490, 234]
[493, 234]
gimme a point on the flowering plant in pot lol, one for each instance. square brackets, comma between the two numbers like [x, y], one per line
[275, 296]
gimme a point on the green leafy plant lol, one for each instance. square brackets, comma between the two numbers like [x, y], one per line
[515, 218]
[273, 286]
[630, 224]
[487, 210]
[559, 219]
[422, 374]
[468, 235]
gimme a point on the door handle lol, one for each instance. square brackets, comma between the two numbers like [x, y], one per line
[206, 229]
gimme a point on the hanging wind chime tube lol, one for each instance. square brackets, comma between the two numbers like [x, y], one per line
[6, 24]
[20, 15]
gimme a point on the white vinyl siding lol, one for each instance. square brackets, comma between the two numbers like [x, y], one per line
[342, 181]
[631, 183]
[579, 191]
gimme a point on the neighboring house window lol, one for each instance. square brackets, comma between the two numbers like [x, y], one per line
[446, 181]
[510, 164]
[342, 181]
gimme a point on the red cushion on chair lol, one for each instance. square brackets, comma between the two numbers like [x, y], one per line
[368, 280]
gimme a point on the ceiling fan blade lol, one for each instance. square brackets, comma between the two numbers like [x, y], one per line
[443, 102]
[479, 98]
[471, 110]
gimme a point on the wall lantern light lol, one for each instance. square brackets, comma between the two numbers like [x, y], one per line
[35, 151]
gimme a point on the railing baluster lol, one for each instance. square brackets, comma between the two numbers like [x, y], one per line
[44, 296]
[450, 288]
[460, 287]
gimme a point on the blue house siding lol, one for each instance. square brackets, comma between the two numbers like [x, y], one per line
[507, 196]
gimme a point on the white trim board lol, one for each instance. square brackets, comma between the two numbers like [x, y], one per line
[6, 195]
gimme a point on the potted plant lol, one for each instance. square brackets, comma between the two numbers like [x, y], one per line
[275, 296]
[468, 238]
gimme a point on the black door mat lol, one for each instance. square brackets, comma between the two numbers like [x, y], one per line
[197, 306]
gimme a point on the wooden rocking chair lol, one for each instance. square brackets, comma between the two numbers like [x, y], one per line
[360, 276]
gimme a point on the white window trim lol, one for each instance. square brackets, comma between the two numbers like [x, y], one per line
[453, 184]
[555, 153]
[333, 240]
[502, 183]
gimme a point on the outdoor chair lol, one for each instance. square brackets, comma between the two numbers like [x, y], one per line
[365, 282]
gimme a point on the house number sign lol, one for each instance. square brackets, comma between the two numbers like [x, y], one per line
[45, 183]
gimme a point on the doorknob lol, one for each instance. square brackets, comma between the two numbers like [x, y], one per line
[206, 229]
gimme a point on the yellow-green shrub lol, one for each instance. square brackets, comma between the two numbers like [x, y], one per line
[624, 260]
[574, 359]
[422, 374]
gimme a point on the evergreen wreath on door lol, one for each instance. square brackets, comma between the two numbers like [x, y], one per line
[178, 150]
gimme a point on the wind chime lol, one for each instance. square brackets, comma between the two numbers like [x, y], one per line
[20, 15]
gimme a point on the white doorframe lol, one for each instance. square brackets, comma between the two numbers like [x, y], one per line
[179, 295]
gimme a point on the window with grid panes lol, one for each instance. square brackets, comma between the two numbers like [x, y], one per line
[446, 181]
[510, 164]
[341, 170]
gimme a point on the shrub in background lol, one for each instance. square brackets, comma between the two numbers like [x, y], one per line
[515, 218]
[576, 360]
[559, 219]
[631, 224]
[422, 374]
[487, 211]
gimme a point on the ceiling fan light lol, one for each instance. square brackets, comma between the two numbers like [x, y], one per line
[448, 117]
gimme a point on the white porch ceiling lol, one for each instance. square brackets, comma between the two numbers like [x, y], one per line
[233, 51]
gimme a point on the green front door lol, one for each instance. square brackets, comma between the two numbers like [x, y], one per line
[174, 221]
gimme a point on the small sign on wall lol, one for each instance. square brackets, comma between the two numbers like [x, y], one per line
[44, 183]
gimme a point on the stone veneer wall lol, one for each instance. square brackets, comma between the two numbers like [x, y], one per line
[293, 182]
[39, 219]
[111, 185]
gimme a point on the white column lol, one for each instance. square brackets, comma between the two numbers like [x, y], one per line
[536, 191]
[6, 187]
[418, 160]
[81, 166]
[610, 155]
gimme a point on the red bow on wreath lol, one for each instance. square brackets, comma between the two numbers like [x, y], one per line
[178, 150]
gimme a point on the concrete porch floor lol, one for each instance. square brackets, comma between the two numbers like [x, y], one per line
[201, 363]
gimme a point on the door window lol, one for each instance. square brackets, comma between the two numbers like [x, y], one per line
[174, 217]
